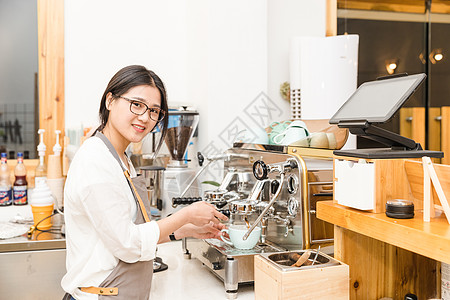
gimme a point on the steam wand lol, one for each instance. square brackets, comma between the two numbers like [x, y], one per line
[272, 201]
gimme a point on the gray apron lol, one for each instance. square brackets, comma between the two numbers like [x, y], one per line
[133, 280]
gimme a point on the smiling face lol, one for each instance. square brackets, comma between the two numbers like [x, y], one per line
[123, 126]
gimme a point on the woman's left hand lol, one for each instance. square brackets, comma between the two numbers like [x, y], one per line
[207, 231]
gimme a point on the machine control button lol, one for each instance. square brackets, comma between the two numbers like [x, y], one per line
[292, 184]
[216, 266]
[274, 186]
[292, 206]
[292, 164]
[260, 170]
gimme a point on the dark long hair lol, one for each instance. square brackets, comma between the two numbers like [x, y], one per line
[124, 80]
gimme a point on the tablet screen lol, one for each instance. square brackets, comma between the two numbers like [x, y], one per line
[377, 101]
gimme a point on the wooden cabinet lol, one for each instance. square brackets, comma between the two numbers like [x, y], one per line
[388, 257]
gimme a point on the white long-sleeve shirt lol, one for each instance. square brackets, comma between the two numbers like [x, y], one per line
[99, 210]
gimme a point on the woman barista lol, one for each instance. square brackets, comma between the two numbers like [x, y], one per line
[110, 239]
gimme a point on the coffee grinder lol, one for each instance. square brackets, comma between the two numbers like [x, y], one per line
[178, 173]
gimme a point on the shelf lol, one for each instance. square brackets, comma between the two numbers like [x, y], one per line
[428, 239]
[314, 152]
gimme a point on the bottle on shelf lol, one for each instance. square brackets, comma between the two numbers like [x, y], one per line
[41, 169]
[57, 148]
[5, 182]
[20, 187]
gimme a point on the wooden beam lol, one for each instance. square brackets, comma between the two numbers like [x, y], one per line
[440, 6]
[445, 134]
[411, 6]
[51, 69]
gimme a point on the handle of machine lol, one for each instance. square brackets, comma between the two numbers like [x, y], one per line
[184, 200]
[275, 197]
[225, 212]
[323, 195]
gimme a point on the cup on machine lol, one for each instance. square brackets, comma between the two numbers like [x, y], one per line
[237, 232]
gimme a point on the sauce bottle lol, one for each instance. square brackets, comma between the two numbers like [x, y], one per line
[5, 182]
[41, 170]
[20, 189]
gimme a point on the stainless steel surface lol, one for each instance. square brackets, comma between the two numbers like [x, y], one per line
[214, 194]
[242, 207]
[275, 228]
[33, 268]
[400, 202]
[32, 275]
[231, 274]
[23, 244]
[266, 209]
[214, 255]
[315, 257]
[285, 211]
[240, 179]
[154, 181]
[38, 240]
[283, 261]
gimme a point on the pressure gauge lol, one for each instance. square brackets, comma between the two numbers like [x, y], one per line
[292, 206]
[292, 184]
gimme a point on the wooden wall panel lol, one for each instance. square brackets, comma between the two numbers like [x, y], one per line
[331, 27]
[434, 131]
[418, 125]
[51, 69]
[412, 124]
[445, 132]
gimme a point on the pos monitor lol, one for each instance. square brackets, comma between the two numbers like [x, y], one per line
[376, 102]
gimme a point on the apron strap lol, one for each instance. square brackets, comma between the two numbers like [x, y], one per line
[110, 148]
[136, 196]
[104, 291]
[113, 151]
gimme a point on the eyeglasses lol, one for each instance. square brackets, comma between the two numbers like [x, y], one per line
[139, 108]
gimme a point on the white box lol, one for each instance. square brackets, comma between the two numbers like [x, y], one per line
[355, 183]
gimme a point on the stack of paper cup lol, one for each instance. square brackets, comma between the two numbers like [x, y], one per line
[54, 167]
[41, 201]
[55, 180]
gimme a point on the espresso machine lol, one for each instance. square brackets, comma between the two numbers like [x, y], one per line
[275, 188]
[179, 172]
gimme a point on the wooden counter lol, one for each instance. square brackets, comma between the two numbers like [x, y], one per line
[388, 257]
[428, 239]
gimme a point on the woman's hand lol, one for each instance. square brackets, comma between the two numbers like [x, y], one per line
[207, 231]
[202, 213]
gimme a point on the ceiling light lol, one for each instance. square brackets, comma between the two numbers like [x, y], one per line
[436, 55]
[391, 65]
